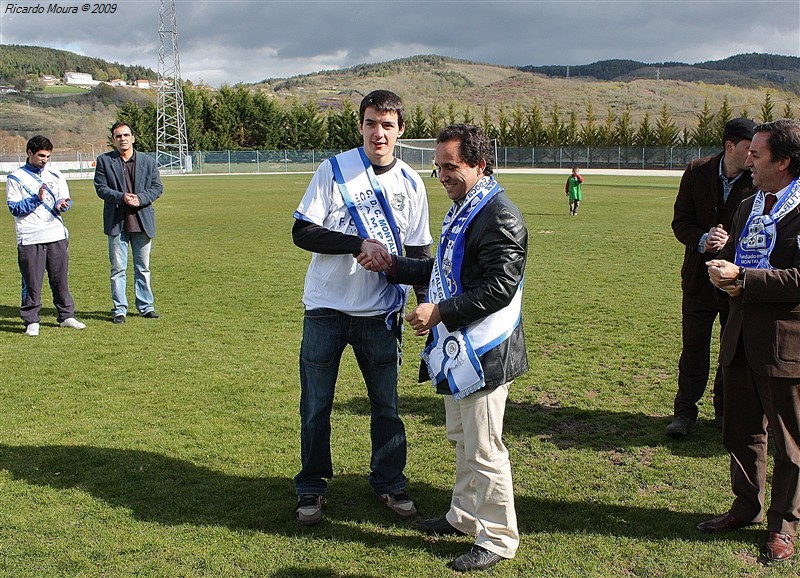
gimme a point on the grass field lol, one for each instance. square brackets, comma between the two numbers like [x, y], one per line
[166, 447]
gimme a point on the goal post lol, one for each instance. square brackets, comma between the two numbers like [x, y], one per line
[418, 152]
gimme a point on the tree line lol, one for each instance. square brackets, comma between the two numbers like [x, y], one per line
[22, 64]
[235, 118]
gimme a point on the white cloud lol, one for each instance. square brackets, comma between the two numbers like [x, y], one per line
[246, 41]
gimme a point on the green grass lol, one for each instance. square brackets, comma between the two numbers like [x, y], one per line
[167, 447]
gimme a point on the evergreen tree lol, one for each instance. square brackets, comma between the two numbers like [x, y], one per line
[267, 122]
[345, 135]
[417, 124]
[468, 118]
[685, 137]
[486, 123]
[451, 113]
[142, 121]
[308, 128]
[623, 128]
[224, 120]
[645, 135]
[588, 133]
[554, 129]
[436, 119]
[536, 130]
[570, 133]
[767, 109]
[723, 116]
[605, 133]
[193, 108]
[503, 127]
[704, 134]
[519, 129]
[666, 130]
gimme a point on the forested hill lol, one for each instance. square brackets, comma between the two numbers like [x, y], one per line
[749, 70]
[18, 61]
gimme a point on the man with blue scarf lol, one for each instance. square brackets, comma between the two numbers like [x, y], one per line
[361, 200]
[760, 350]
[476, 344]
[37, 195]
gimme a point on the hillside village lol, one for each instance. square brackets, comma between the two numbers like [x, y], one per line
[76, 107]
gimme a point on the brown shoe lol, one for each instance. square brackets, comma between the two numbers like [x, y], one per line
[779, 547]
[724, 523]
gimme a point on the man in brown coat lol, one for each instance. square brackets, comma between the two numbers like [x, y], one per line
[710, 191]
[760, 351]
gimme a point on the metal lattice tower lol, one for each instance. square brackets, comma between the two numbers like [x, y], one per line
[172, 148]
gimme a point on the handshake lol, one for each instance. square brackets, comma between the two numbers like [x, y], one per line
[374, 256]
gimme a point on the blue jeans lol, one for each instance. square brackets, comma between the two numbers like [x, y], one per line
[326, 333]
[118, 255]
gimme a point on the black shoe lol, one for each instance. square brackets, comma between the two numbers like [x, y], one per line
[399, 503]
[681, 426]
[439, 527]
[309, 509]
[118, 319]
[151, 315]
[477, 558]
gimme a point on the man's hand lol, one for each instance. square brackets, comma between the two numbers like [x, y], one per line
[131, 200]
[42, 191]
[374, 256]
[716, 239]
[424, 317]
[62, 205]
[723, 276]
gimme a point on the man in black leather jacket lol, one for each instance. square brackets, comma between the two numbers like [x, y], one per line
[476, 344]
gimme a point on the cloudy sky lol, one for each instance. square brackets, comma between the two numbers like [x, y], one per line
[230, 41]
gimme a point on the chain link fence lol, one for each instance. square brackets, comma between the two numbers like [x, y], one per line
[81, 164]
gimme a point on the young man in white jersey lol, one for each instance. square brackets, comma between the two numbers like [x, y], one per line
[37, 195]
[361, 201]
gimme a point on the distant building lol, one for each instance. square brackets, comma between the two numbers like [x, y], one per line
[79, 79]
[48, 79]
[8, 90]
[117, 82]
[143, 83]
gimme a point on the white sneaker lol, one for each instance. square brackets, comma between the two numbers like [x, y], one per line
[32, 330]
[72, 323]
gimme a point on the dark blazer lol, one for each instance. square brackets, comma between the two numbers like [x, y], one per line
[698, 207]
[767, 313]
[495, 253]
[109, 183]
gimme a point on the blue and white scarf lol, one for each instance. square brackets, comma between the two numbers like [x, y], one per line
[455, 356]
[757, 241]
[370, 211]
[32, 182]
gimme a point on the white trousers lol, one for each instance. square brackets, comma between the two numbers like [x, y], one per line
[483, 494]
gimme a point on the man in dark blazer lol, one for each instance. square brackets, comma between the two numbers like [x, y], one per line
[128, 183]
[710, 191]
[760, 351]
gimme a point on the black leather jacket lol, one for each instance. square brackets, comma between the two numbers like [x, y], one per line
[493, 267]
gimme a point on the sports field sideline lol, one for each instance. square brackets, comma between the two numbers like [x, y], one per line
[167, 448]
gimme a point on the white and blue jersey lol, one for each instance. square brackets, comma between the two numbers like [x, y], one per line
[36, 221]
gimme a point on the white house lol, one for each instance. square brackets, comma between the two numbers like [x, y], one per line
[80, 79]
